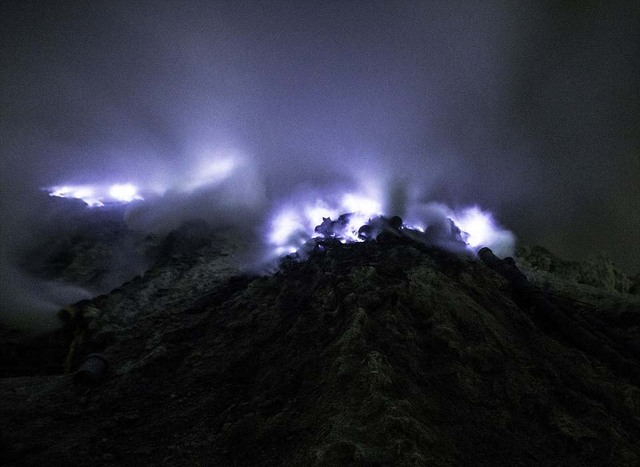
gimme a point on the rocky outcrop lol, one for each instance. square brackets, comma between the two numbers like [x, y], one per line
[373, 353]
[598, 270]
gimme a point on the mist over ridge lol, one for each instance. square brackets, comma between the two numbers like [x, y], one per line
[527, 110]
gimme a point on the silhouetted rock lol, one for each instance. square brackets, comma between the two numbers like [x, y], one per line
[373, 353]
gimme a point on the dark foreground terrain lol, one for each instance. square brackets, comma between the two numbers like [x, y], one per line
[371, 354]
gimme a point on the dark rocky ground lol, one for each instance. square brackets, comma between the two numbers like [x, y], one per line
[372, 354]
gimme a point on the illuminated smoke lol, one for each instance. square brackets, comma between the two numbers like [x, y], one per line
[97, 195]
[230, 111]
[124, 193]
[342, 216]
[481, 229]
[208, 172]
[478, 227]
[82, 192]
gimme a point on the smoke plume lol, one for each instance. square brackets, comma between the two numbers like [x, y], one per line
[225, 109]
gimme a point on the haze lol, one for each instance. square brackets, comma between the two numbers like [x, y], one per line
[529, 110]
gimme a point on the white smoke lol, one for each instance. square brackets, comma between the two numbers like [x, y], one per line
[228, 111]
[337, 210]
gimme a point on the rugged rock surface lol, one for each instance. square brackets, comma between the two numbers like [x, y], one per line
[373, 353]
[598, 271]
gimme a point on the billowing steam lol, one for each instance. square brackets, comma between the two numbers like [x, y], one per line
[352, 217]
[267, 117]
[294, 222]
[95, 195]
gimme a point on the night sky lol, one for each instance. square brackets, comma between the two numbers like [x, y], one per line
[529, 109]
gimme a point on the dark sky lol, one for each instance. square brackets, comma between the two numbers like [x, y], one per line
[530, 109]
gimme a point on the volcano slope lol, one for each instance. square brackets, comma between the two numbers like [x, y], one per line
[372, 354]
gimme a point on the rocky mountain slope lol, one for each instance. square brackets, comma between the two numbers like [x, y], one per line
[377, 353]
